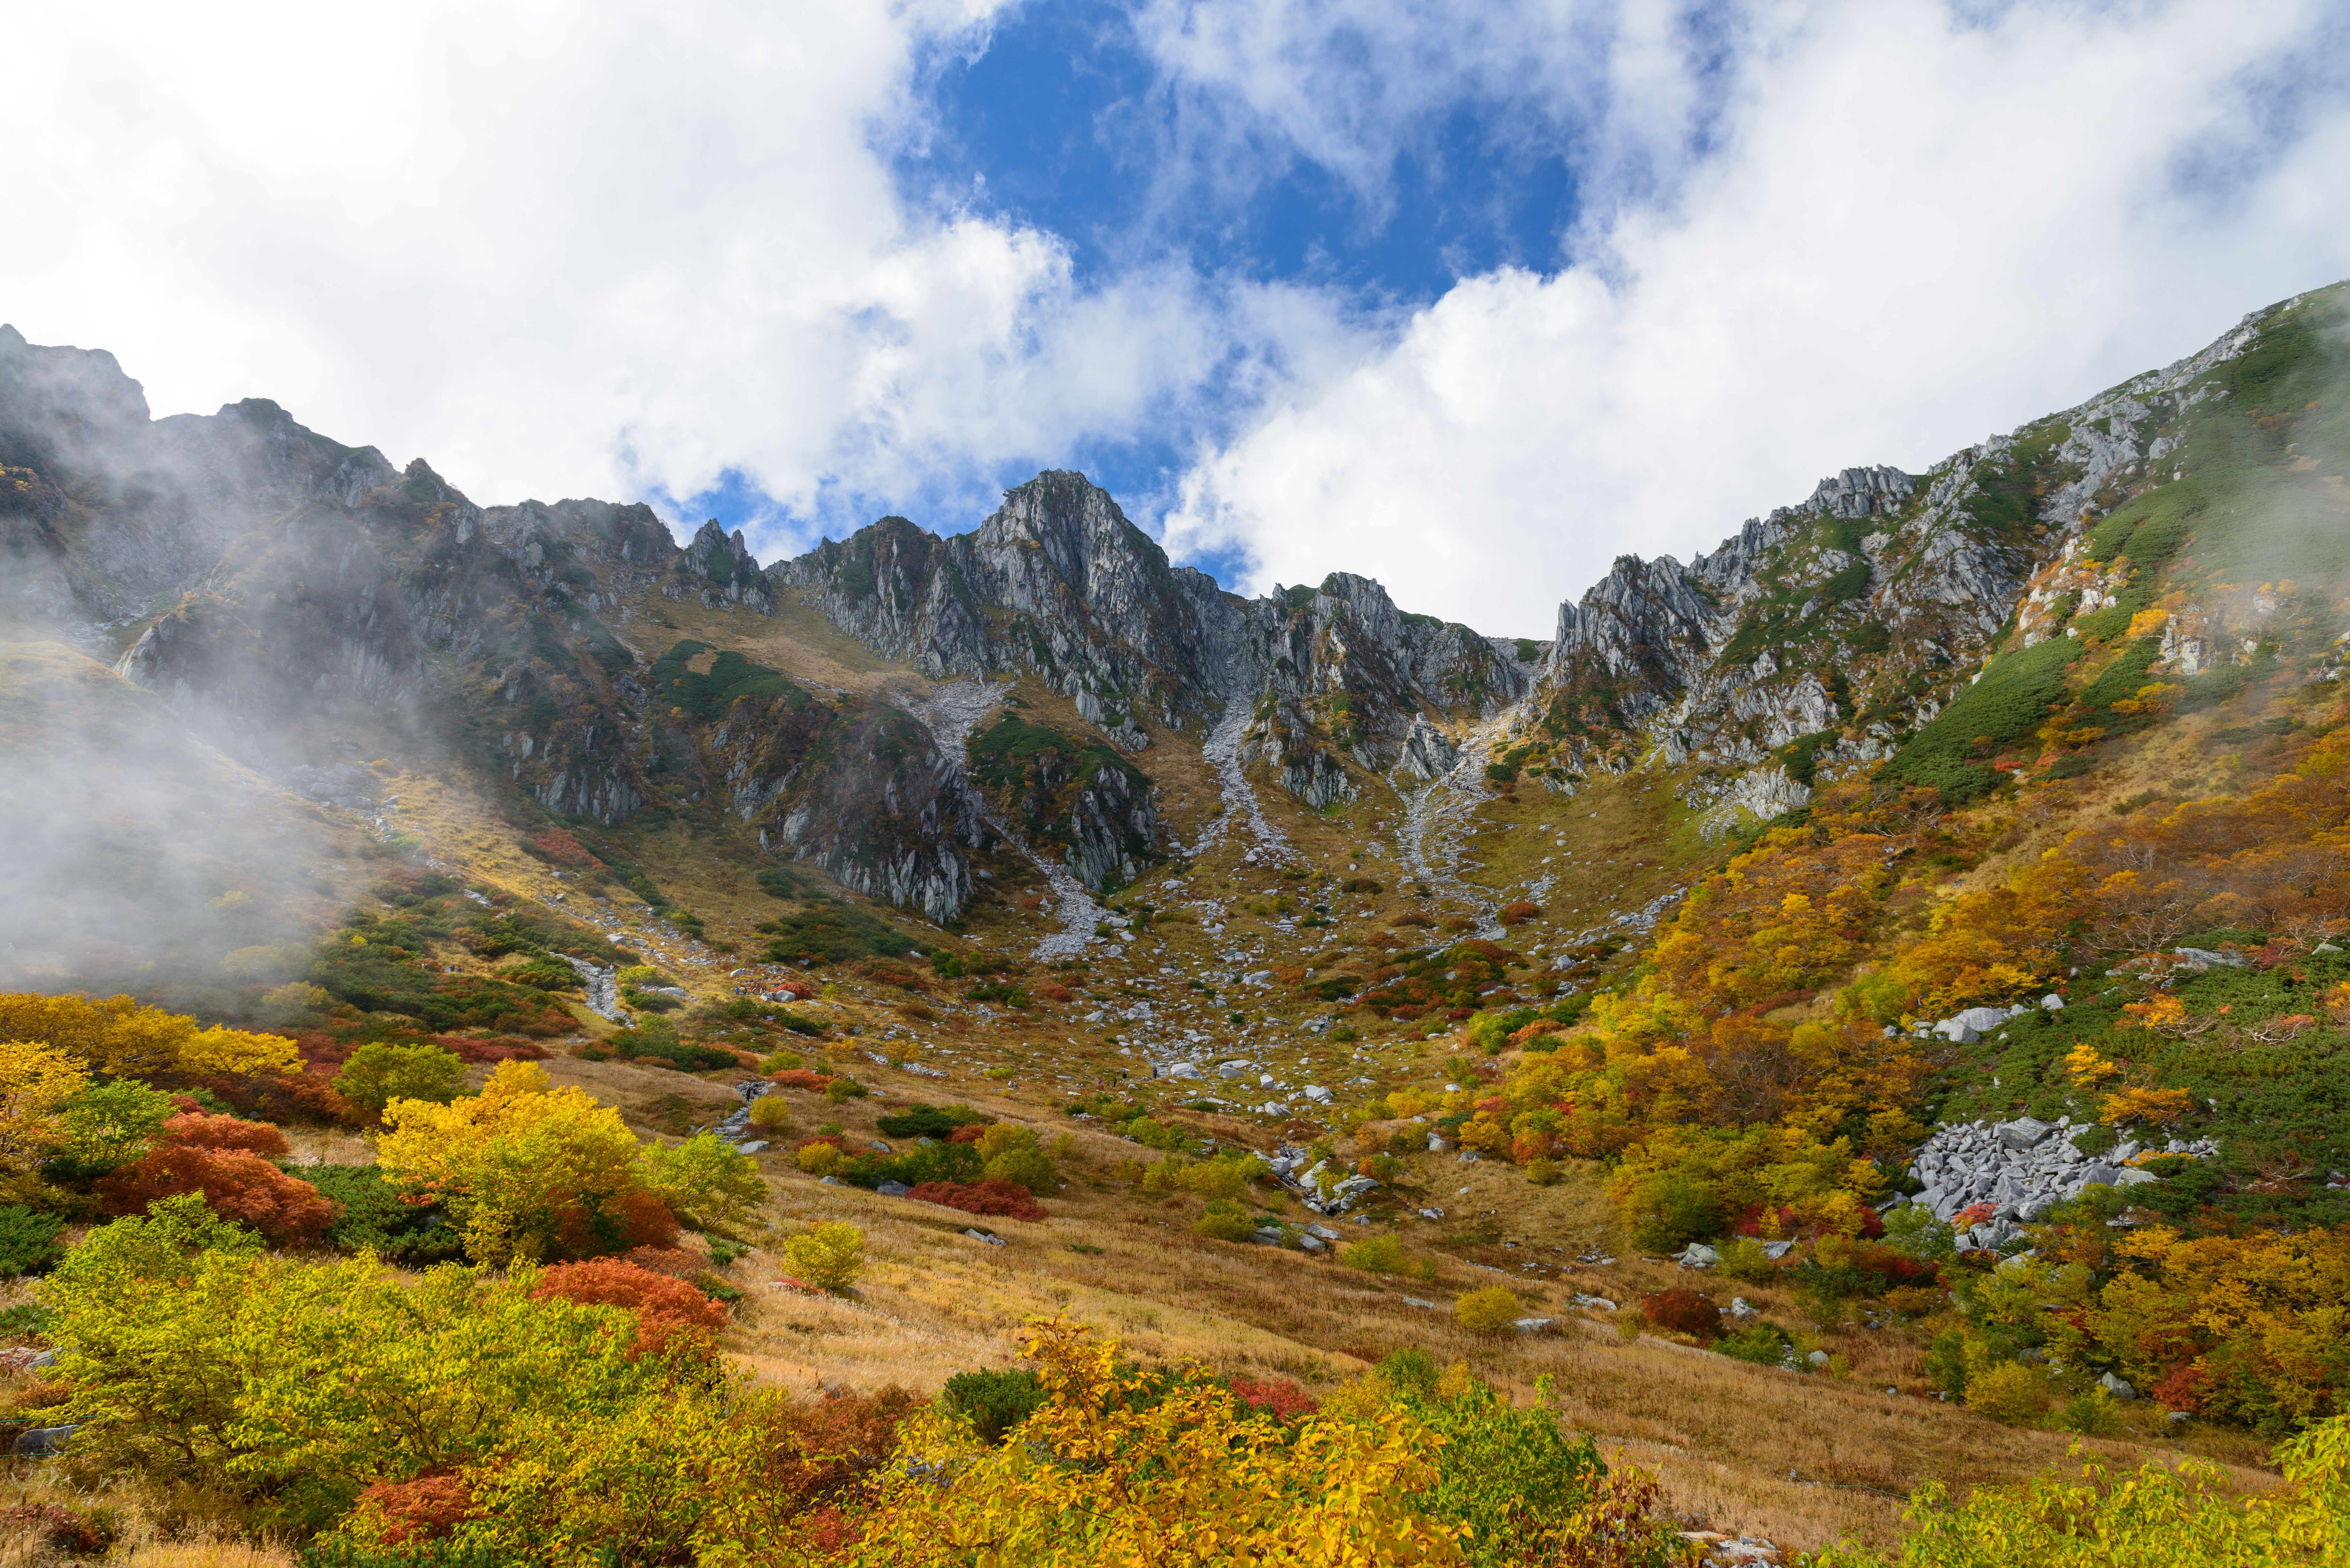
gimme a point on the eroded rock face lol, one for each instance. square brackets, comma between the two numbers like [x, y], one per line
[139, 507]
[1059, 585]
[862, 790]
[1817, 637]
[302, 617]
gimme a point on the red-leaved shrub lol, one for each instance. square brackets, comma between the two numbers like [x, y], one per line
[1683, 1311]
[967, 1134]
[1519, 912]
[675, 1261]
[496, 1048]
[799, 1078]
[200, 1129]
[828, 1446]
[429, 1508]
[1007, 1198]
[236, 1185]
[670, 1312]
[2183, 1388]
[625, 1220]
[562, 849]
[1278, 1396]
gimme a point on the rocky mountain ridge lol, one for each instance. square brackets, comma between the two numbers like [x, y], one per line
[1810, 643]
[286, 593]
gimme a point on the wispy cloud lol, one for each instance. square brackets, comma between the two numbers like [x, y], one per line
[1902, 230]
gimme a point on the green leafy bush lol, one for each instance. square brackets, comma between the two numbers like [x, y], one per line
[373, 1217]
[1224, 1220]
[1374, 1254]
[995, 1403]
[28, 1241]
[1765, 1344]
[375, 1076]
[109, 1125]
[832, 933]
[928, 1121]
[1669, 1209]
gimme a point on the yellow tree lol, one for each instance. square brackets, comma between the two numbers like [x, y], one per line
[529, 1170]
[1104, 1475]
[123, 1040]
[36, 1078]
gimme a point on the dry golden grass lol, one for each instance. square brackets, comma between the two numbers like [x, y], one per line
[1799, 1458]
[149, 1530]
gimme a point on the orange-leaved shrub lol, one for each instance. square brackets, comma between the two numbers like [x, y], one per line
[1007, 1198]
[671, 1314]
[200, 1129]
[235, 1184]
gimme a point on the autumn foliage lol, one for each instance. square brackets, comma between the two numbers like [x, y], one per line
[1007, 1199]
[671, 1314]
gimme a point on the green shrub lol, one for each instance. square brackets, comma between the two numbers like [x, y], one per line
[925, 1121]
[655, 1038]
[1024, 1165]
[1743, 1257]
[373, 1217]
[111, 1125]
[1150, 1134]
[1374, 1254]
[1513, 1480]
[995, 1403]
[1224, 1221]
[832, 933]
[1912, 1229]
[1762, 1343]
[1671, 1209]
[375, 1076]
[649, 1001]
[28, 1241]
[2091, 1415]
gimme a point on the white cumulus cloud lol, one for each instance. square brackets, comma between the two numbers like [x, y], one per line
[565, 250]
[1902, 229]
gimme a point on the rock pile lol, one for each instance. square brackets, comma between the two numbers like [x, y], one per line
[1289, 1165]
[2021, 1169]
[738, 1121]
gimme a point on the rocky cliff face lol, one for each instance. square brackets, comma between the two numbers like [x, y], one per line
[1058, 585]
[278, 588]
[117, 509]
[1813, 639]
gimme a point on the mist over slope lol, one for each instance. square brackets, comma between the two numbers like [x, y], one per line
[297, 603]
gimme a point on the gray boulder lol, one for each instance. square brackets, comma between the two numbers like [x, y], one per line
[2023, 1133]
[1697, 1255]
[42, 1442]
[2118, 1387]
[893, 1190]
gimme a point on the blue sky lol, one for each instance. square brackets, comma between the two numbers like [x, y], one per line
[1062, 119]
[1469, 299]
